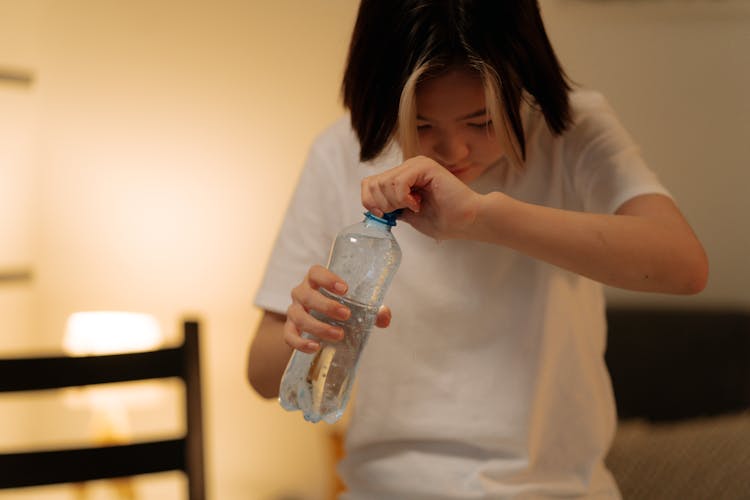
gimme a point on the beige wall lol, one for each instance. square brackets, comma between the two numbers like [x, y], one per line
[18, 140]
[170, 136]
[162, 140]
[678, 74]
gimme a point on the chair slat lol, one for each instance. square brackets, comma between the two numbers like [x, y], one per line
[88, 464]
[25, 374]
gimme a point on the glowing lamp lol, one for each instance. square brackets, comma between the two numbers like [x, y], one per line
[110, 332]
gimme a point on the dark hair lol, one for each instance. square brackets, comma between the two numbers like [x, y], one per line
[394, 38]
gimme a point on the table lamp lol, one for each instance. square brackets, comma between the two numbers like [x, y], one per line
[112, 332]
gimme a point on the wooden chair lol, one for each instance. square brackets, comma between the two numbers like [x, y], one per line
[75, 465]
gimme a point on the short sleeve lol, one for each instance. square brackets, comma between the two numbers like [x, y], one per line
[607, 166]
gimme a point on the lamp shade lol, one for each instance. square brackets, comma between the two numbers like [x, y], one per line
[109, 332]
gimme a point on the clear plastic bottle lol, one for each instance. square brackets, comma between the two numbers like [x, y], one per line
[366, 256]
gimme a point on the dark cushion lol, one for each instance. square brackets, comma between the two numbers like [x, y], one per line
[676, 364]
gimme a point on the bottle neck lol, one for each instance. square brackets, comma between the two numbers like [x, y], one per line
[377, 225]
[385, 222]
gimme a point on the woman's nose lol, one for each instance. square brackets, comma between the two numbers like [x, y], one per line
[452, 150]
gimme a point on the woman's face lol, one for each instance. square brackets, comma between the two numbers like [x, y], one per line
[454, 125]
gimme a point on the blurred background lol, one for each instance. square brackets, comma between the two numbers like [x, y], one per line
[148, 151]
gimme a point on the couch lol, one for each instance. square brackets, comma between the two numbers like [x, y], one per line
[681, 380]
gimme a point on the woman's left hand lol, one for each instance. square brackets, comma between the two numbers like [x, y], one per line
[439, 204]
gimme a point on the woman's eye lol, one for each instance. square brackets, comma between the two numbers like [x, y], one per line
[481, 125]
[424, 126]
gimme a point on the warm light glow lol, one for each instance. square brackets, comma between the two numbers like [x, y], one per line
[112, 332]
[109, 332]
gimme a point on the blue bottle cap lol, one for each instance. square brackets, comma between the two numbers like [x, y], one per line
[387, 218]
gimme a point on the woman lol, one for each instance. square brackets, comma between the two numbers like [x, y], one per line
[522, 197]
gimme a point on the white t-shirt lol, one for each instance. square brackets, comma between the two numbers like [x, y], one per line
[490, 381]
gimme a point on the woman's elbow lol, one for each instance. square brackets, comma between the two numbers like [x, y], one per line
[261, 384]
[695, 273]
[699, 280]
[266, 391]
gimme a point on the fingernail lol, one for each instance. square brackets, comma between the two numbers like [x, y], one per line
[342, 312]
[313, 346]
[339, 287]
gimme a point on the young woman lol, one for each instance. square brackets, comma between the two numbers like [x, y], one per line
[522, 197]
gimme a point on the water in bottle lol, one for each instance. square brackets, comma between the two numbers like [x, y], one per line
[366, 256]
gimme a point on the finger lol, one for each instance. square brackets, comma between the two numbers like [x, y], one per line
[319, 276]
[377, 203]
[368, 201]
[310, 299]
[400, 186]
[399, 192]
[383, 318]
[295, 340]
[305, 322]
[390, 188]
[316, 301]
[369, 197]
[414, 201]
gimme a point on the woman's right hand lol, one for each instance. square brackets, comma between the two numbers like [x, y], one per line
[306, 297]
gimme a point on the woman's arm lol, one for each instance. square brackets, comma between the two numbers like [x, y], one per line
[647, 245]
[269, 355]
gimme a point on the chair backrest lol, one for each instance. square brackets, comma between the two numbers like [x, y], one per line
[73, 465]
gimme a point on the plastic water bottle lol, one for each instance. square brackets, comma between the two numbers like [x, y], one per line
[366, 256]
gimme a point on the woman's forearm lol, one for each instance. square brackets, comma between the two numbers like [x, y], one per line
[269, 355]
[647, 246]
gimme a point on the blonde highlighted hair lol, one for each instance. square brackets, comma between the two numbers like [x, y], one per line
[406, 130]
